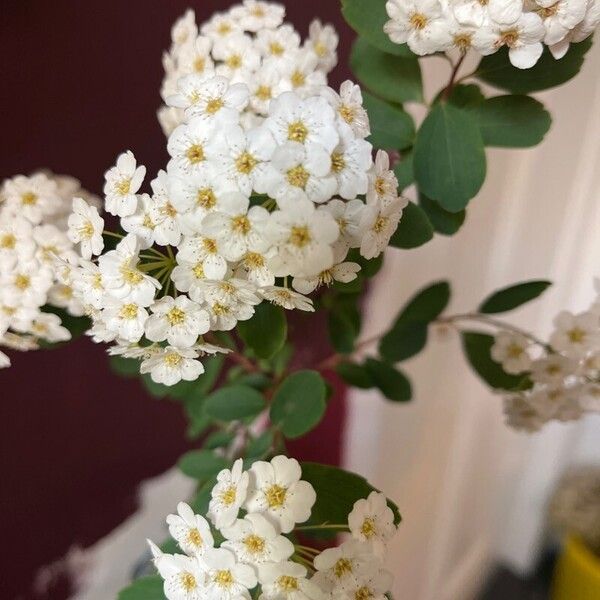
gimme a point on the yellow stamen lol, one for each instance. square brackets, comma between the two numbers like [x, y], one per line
[245, 163]
[298, 176]
[275, 496]
[195, 154]
[299, 236]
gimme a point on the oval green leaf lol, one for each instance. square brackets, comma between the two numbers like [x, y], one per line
[414, 228]
[390, 381]
[234, 402]
[513, 296]
[144, 588]
[266, 331]
[391, 126]
[443, 221]
[201, 464]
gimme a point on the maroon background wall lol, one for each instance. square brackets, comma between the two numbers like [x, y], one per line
[79, 84]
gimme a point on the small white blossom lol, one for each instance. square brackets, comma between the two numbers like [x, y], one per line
[511, 350]
[192, 532]
[171, 365]
[372, 520]
[287, 581]
[379, 222]
[286, 298]
[576, 335]
[228, 495]
[85, 228]
[122, 182]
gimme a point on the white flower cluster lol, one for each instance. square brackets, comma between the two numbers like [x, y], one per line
[247, 44]
[523, 26]
[246, 210]
[33, 241]
[565, 372]
[255, 552]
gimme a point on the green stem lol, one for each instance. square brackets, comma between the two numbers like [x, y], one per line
[145, 267]
[112, 234]
[322, 526]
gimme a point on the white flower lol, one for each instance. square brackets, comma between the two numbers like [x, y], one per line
[64, 296]
[372, 520]
[53, 244]
[184, 576]
[555, 403]
[88, 284]
[238, 55]
[379, 223]
[343, 272]
[32, 198]
[192, 145]
[552, 369]
[122, 182]
[286, 298]
[254, 266]
[85, 228]
[124, 318]
[303, 236]
[220, 26]
[323, 41]
[228, 495]
[27, 284]
[201, 254]
[277, 491]
[383, 185]
[418, 23]
[178, 320]
[4, 360]
[521, 414]
[121, 277]
[476, 14]
[194, 58]
[169, 118]
[253, 15]
[16, 241]
[523, 39]
[300, 73]
[184, 29]
[335, 565]
[211, 99]
[265, 85]
[348, 105]
[164, 215]
[581, 31]
[171, 365]
[141, 222]
[278, 44]
[576, 335]
[300, 171]
[255, 541]
[372, 583]
[560, 17]
[226, 579]
[348, 216]
[245, 164]
[590, 397]
[287, 581]
[236, 228]
[310, 121]
[511, 350]
[350, 162]
[192, 532]
[226, 302]
[49, 327]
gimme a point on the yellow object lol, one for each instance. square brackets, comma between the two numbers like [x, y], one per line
[577, 573]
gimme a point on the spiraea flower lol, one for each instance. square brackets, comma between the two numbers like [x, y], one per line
[256, 558]
[522, 26]
[38, 251]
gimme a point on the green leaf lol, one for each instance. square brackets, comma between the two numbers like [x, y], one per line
[477, 348]
[414, 228]
[449, 156]
[391, 126]
[368, 268]
[266, 331]
[393, 78]
[337, 491]
[513, 296]
[258, 446]
[408, 334]
[234, 402]
[125, 367]
[201, 464]
[444, 222]
[342, 332]
[391, 382]
[548, 72]
[299, 403]
[404, 171]
[466, 95]
[184, 390]
[368, 19]
[218, 439]
[355, 375]
[512, 121]
[144, 588]
[199, 503]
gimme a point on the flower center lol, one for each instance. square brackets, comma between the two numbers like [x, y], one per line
[210, 246]
[363, 593]
[123, 187]
[194, 538]
[298, 176]
[299, 236]
[214, 105]
[263, 93]
[418, 21]
[380, 224]
[169, 210]
[241, 224]
[337, 162]
[253, 260]
[220, 309]
[195, 154]
[380, 186]
[463, 41]
[29, 198]
[297, 132]
[298, 78]
[148, 223]
[228, 495]
[86, 231]
[198, 271]
[514, 350]
[206, 198]
[223, 578]
[8, 241]
[288, 583]
[509, 37]
[223, 28]
[188, 582]
[347, 113]
[172, 359]
[22, 282]
[548, 11]
[275, 496]
[129, 312]
[258, 11]
[320, 49]
[254, 544]
[234, 61]
[97, 281]
[368, 527]
[131, 276]
[245, 162]
[199, 64]
[175, 316]
[576, 335]
[341, 567]
[276, 48]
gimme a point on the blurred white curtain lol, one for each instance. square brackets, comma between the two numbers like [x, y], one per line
[471, 491]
